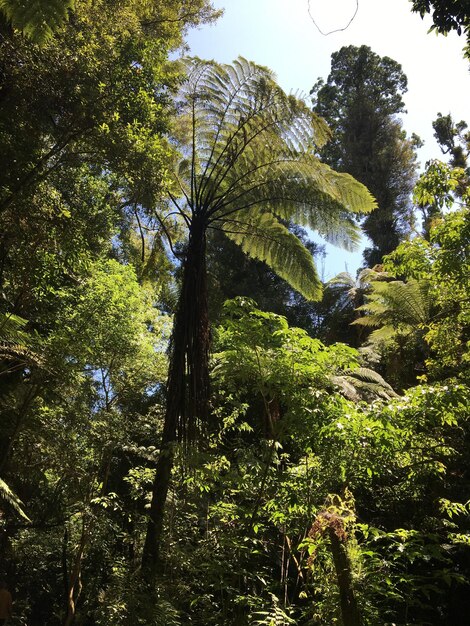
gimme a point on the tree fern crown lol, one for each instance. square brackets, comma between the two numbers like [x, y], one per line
[249, 167]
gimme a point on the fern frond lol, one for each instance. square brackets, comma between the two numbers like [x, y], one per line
[363, 383]
[16, 345]
[397, 304]
[36, 19]
[273, 616]
[252, 145]
[262, 237]
[370, 376]
[11, 328]
[7, 495]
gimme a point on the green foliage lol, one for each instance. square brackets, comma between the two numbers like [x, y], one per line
[111, 330]
[286, 369]
[436, 190]
[446, 15]
[396, 308]
[127, 602]
[7, 495]
[37, 19]
[249, 163]
[342, 296]
[440, 266]
[231, 273]
[452, 139]
[436, 186]
[275, 616]
[301, 435]
[360, 100]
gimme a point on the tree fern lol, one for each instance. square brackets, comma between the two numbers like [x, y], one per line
[396, 307]
[248, 167]
[363, 383]
[250, 150]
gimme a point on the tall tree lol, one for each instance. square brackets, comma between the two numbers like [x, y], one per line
[360, 101]
[248, 164]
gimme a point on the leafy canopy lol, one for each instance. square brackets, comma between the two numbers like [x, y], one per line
[250, 167]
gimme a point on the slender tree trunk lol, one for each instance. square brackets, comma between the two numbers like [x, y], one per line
[349, 609]
[74, 584]
[187, 387]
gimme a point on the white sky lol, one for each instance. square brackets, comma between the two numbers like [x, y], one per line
[281, 35]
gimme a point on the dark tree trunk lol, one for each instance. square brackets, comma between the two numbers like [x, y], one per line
[187, 387]
[349, 609]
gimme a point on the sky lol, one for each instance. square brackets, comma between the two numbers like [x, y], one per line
[282, 35]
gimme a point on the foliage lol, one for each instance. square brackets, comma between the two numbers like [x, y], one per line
[447, 16]
[231, 273]
[249, 162]
[441, 267]
[361, 100]
[452, 139]
[436, 189]
[396, 308]
[314, 482]
[7, 495]
[37, 19]
[275, 616]
[248, 166]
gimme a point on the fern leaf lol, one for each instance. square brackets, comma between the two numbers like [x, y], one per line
[262, 237]
[7, 495]
[36, 19]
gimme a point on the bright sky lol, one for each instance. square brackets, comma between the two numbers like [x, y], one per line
[281, 35]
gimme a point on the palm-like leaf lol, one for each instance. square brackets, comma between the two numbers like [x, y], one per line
[396, 307]
[16, 345]
[350, 290]
[262, 237]
[249, 157]
[8, 496]
[11, 328]
[363, 383]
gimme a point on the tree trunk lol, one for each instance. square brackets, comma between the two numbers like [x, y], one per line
[74, 584]
[188, 384]
[349, 608]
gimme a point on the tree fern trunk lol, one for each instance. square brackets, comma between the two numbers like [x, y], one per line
[349, 609]
[187, 387]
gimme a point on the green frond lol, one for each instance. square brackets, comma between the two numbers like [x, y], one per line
[249, 156]
[7, 495]
[11, 328]
[367, 375]
[397, 305]
[364, 384]
[16, 345]
[369, 321]
[296, 189]
[262, 237]
[343, 280]
[351, 193]
[36, 19]
[273, 615]
[17, 356]
[387, 333]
